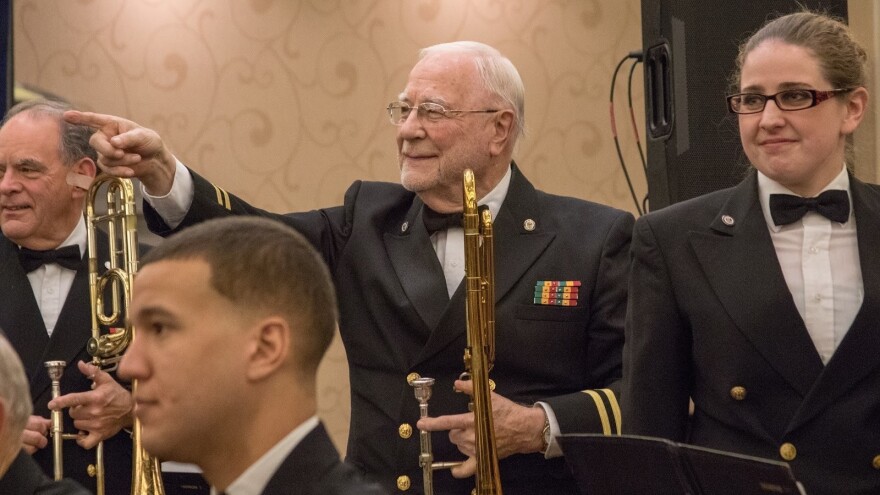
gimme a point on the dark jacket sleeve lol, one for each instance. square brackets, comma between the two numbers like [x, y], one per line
[657, 351]
[597, 410]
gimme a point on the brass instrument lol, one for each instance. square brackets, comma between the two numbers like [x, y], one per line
[114, 285]
[479, 355]
[55, 370]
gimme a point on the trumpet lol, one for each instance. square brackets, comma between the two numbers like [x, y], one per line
[479, 354]
[113, 285]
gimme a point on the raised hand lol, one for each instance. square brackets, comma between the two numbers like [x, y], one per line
[127, 149]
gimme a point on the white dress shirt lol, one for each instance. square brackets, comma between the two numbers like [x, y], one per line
[449, 243]
[255, 478]
[51, 282]
[820, 261]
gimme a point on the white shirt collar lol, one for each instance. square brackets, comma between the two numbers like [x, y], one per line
[496, 196]
[257, 476]
[768, 186]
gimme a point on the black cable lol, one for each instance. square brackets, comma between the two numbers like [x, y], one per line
[637, 56]
[632, 117]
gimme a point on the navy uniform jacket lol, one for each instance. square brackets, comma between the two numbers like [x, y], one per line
[396, 319]
[711, 318]
[24, 477]
[314, 468]
[20, 319]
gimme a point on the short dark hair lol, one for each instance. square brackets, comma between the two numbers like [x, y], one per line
[264, 265]
[74, 137]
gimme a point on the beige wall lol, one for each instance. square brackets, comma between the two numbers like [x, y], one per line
[283, 102]
[864, 17]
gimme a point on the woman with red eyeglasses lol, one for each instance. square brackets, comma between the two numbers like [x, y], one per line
[758, 306]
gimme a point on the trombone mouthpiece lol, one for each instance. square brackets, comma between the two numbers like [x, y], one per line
[55, 369]
[422, 388]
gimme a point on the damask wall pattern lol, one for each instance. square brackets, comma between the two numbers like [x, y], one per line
[282, 101]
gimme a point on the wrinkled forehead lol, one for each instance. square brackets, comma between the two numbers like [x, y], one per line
[30, 135]
[445, 78]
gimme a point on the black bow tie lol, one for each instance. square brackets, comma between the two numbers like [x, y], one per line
[68, 257]
[435, 222]
[832, 204]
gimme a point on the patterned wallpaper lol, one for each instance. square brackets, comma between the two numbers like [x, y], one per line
[282, 102]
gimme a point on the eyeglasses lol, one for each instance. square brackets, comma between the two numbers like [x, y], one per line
[788, 100]
[399, 111]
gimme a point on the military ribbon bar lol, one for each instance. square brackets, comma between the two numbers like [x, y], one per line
[557, 292]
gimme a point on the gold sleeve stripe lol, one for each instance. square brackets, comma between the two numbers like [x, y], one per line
[615, 407]
[222, 198]
[600, 408]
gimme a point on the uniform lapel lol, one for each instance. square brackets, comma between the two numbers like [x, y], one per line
[73, 328]
[72, 331]
[856, 356]
[738, 259]
[516, 249]
[19, 314]
[417, 267]
[303, 466]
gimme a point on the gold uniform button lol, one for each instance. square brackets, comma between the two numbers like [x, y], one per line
[403, 483]
[412, 376]
[876, 462]
[491, 385]
[787, 451]
[405, 430]
[738, 393]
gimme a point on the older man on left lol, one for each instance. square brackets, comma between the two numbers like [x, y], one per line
[44, 300]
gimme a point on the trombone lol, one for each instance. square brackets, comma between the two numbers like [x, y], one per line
[113, 285]
[479, 355]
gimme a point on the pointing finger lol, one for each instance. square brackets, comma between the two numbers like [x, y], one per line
[93, 120]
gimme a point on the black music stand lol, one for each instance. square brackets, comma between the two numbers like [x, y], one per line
[634, 465]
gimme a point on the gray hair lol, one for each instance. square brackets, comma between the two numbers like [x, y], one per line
[497, 72]
[15, 397]
[74, 137]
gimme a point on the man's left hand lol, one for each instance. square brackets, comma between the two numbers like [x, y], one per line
[98, 413]
[518, 429]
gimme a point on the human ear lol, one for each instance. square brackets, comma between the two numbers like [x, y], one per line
[271, 348]
[86, 168]
[856, 109]
[503, 125]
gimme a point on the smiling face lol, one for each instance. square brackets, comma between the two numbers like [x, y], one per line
[189, 358]
[803, 150]
[38, 208]
[433, 155]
